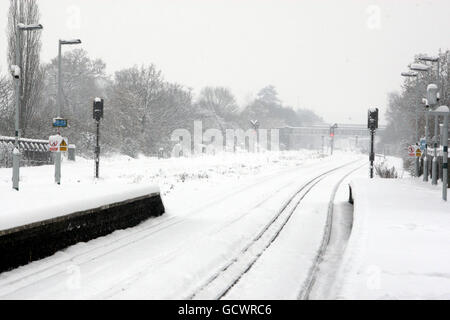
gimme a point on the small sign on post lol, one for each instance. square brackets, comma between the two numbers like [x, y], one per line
[57, 143]
[63, 145]
[59, 122]
[423, 144]
[53, 143]
[414, 151]
[411, 151]
[418, 152]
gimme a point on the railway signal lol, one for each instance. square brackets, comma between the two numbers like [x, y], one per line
[97, 115]
[334, 126]
[372, 125]
[255, 125]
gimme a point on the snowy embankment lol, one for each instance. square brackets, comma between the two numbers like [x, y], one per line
[399, 244]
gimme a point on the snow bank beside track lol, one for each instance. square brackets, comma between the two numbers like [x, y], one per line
[398, 248]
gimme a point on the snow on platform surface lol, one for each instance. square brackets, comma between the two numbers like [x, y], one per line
[39, 198]
[399, 246]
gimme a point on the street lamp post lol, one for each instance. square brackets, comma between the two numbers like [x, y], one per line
[434, 163]
[414, 75]
[58, 103]
[420, 67]
[444, 111]
[17, 73]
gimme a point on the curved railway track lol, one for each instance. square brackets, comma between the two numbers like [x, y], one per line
[238, 266]
[313, 271]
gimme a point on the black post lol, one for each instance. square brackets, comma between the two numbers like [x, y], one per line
[97, 115]
[372, 154]
[372, 125]
[97, 150]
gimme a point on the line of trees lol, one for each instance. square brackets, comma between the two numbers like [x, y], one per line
[141, 108]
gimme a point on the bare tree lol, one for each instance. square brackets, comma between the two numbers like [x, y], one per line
[6, 95]
[27, 12]
[217, 107]
[220, 100]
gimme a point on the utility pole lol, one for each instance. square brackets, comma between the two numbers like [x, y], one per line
[372, 125]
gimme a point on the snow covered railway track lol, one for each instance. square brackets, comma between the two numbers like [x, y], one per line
[314, 270]
[219, 284]
[96, 251]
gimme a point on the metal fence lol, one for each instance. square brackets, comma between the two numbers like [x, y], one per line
[34, 152]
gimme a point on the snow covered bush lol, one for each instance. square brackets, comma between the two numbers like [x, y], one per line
[383, 171]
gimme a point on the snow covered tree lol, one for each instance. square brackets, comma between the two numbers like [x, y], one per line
[217, 107]
[270, 112]
[83, 79]
[400, 115]
[146, 109]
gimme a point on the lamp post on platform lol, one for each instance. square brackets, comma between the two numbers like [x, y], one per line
[17, 74]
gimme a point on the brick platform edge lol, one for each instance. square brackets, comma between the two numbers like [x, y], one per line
[21, 245]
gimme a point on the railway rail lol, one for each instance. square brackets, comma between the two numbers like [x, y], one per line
[239, 265]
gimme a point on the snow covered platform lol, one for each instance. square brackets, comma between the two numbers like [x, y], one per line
[41, 219]
[399, 246]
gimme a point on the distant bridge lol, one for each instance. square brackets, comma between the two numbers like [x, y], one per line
[313, 136]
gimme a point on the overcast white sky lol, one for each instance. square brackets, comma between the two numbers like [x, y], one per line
[337, 58]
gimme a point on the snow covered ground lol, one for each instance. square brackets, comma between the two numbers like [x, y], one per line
[215, 206]
[245, 226]
[399, 244]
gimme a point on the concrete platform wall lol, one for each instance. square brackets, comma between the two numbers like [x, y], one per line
[21, 245]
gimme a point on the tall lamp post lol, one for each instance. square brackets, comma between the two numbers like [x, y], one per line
[17, 73]
[444, 112]
[414, 75]
[58, 103]
[420, 67]
[434, 163]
